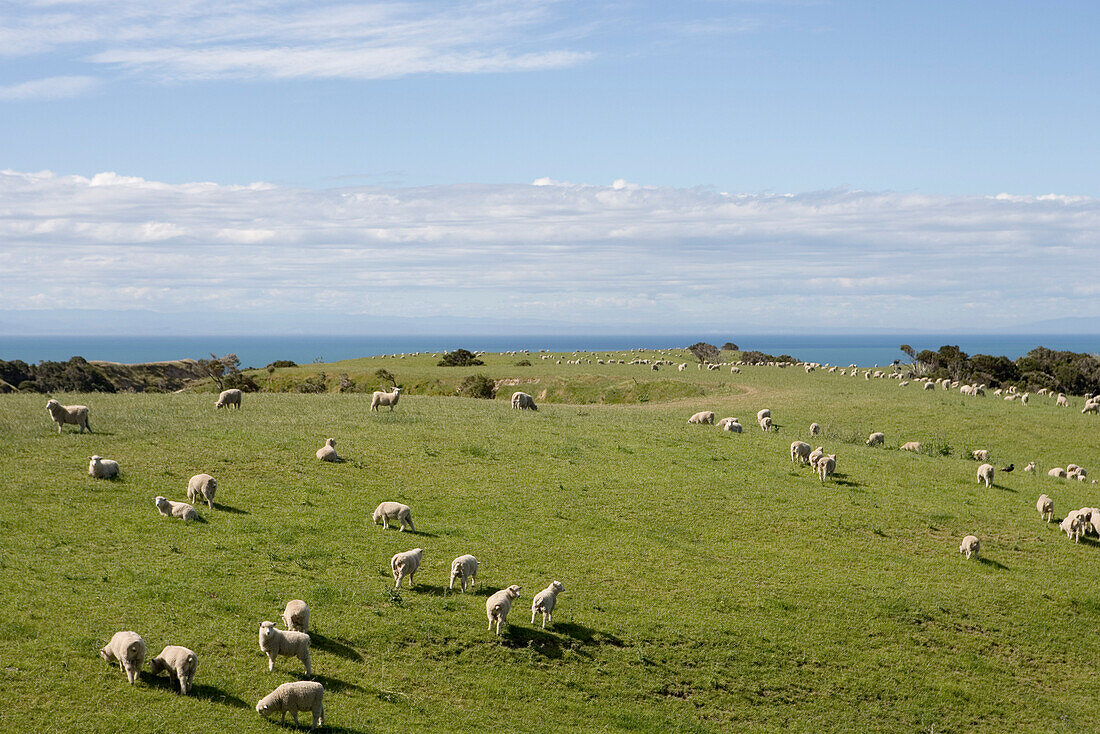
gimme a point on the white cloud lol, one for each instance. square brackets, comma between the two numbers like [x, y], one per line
[53, 87]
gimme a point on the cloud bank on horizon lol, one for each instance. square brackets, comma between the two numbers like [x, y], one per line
[596, 256]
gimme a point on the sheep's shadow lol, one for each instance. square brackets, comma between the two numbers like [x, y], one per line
[532, 638]
[230, 509]
[429, 589]
[1003, 487]
[330, 683]
[990, 562]
[200, 691]
[200, 519]
[586, 635]
[340, 648]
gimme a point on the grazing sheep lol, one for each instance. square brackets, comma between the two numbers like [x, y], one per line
[703, 416]
[876, 439]
[405, 564]
[227, 398]
[463, 568]
[385, 398]
[275, 642]
[395, 511]
[762, 414]
[970, 546]
[929, 386]
[1030, 467]
[911, 446]
[296, 616]
[179, 663]
[128, 650]
[328, 452]
[101, 468]
[985, 475]
[815, 455]
[722, 423]
[814, 429]
[290, 698]
[544, 603]
[980, 455]
[1045, 506]
[168, 508]
[1057, 472]
[800, 452]
[523, 401]
[1072, 525]
[1072, 468]
[76, 415]
[1062, 401]
[499, 604]
[765, 423]
[732, 426]
[826, 465]
[202, 487]
[1091, 408]
[1076, 473]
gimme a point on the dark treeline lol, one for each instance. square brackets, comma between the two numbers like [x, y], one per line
[80, 375]
[1068, 372]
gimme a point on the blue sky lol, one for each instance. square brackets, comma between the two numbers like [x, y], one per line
[779, 163]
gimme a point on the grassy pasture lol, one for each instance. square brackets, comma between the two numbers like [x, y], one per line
[711, 585]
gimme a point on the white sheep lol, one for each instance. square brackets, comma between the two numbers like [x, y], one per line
[385, 398]
[296, 616]
[826, 465]
[168, 508]
[523, 401]
[980, 455]
[405, 564]
[732, 426]
[275, 642]
[985, 475]
[722, 423]
[544, 603]
[101, 468]
[703, 416]
[911, 446]
[328, 451]
[1045, 506]
[180, 665]
[463, 568]
[396, 512]
[1062, 401]
[499, 604]
[815, 455]
[814, 429]
[202, 487]
[765, 423]
[876, 439]
[290, 698]
[800, 452]
[76, 415]
[1072, 525]
[970, 546]
[762, 414]
[227, 398]
[1057, 472]
[128, 650]
[1030, 467]
[929, 386]
[1091, 408]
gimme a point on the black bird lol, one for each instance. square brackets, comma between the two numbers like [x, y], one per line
[1008, 469]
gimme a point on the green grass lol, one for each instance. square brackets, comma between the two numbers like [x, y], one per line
[710, 584]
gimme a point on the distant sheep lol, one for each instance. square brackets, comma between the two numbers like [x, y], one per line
[703, 416]
[464, 568]
[1058, 473]
[732, 426]
[202, 487]
[876, 439]
[1091, 408]
[544, 603]
[275, 642]
[404, 565]
[385, 398]
[499, 604]
[980, 455]
[76, 415]
[970, 546]
[290, 698]
[985, 475]
[1045, 506]
[762, 414]
[911, 446]
[180, 665]
[1062, 401]
[396, 512]
[814, 429]
[800, 452]
[826, 465]
[1030, 467]
[296, 616]
[128, 650]
[523, 401]
[101, 468]
[227, 398]
[168, 508]
[328, 451]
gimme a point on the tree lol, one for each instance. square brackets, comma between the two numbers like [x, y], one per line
[460, 358]
[705, 352]
[730, 347]
[908, 351]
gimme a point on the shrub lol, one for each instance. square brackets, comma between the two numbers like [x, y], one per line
[730, 347]
[385, 375]
[523, 363]
[314, 384]
[282, 363]
[460, 358]
[705, 352]
[477, 386]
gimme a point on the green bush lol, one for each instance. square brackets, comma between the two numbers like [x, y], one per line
[477, 386]
[460, 358]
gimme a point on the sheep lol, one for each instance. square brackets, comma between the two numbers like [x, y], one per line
[168, 508]
[179, 663]
[523, 401]
[1058, 473]
[1024, 398]
[76, 415]
[800, 451]
[970, 546]
[1062, 402]
[826, 465]
[296, 616]
[985, 475]
[732, 426]
[202, 487]
[227, 398]
[815, 455]
[979, 455]
[385, 398]
[499, 604]
[1045, 506]
[1091, 408]
[463, 568]
[544, 603]
[814, 429]
[1030, 467]
[396, 512]
[911, 446]
[762, 414]
[1072, 525]
[722, 423]
[101, 468]
[765, 423]
[876, 439]
[405, 564]
[328, 451]
[1072, 468]
[903, 383]
[275, 642]
[703, 416]
[128, 650]
[929, 386]
[302, 695]
[1076, 473]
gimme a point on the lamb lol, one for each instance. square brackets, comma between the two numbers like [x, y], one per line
[814, 429]
[101, 468]
[1030, 467]
[385, 398]
[765, 423]
[826, 465]
[911, 446]
[980, 455]
[168, 508]
[1062, 401]
[970, 546]
[202, 487]
[722, 423]
[302, 695]
[876, 439]
[1091, 408]
[815, 455]
[128, 650]
[732, 426]
[275, 642]
[762, 414]
[179, 663]
[1072, 526]
[523, 401]
[227, 398]
[463, 568]
[296, 616]
[985, 475]
[328, 451]
[800, 451]
[1045, 506]
[396, 512]
[544, 603]
[499, 604]
[76, 415]
[703, 416]
[1057, 472]
[405, 564]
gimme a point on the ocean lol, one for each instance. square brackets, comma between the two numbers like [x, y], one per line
[257, 351]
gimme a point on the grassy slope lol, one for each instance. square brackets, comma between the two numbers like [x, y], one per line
[710, 585]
